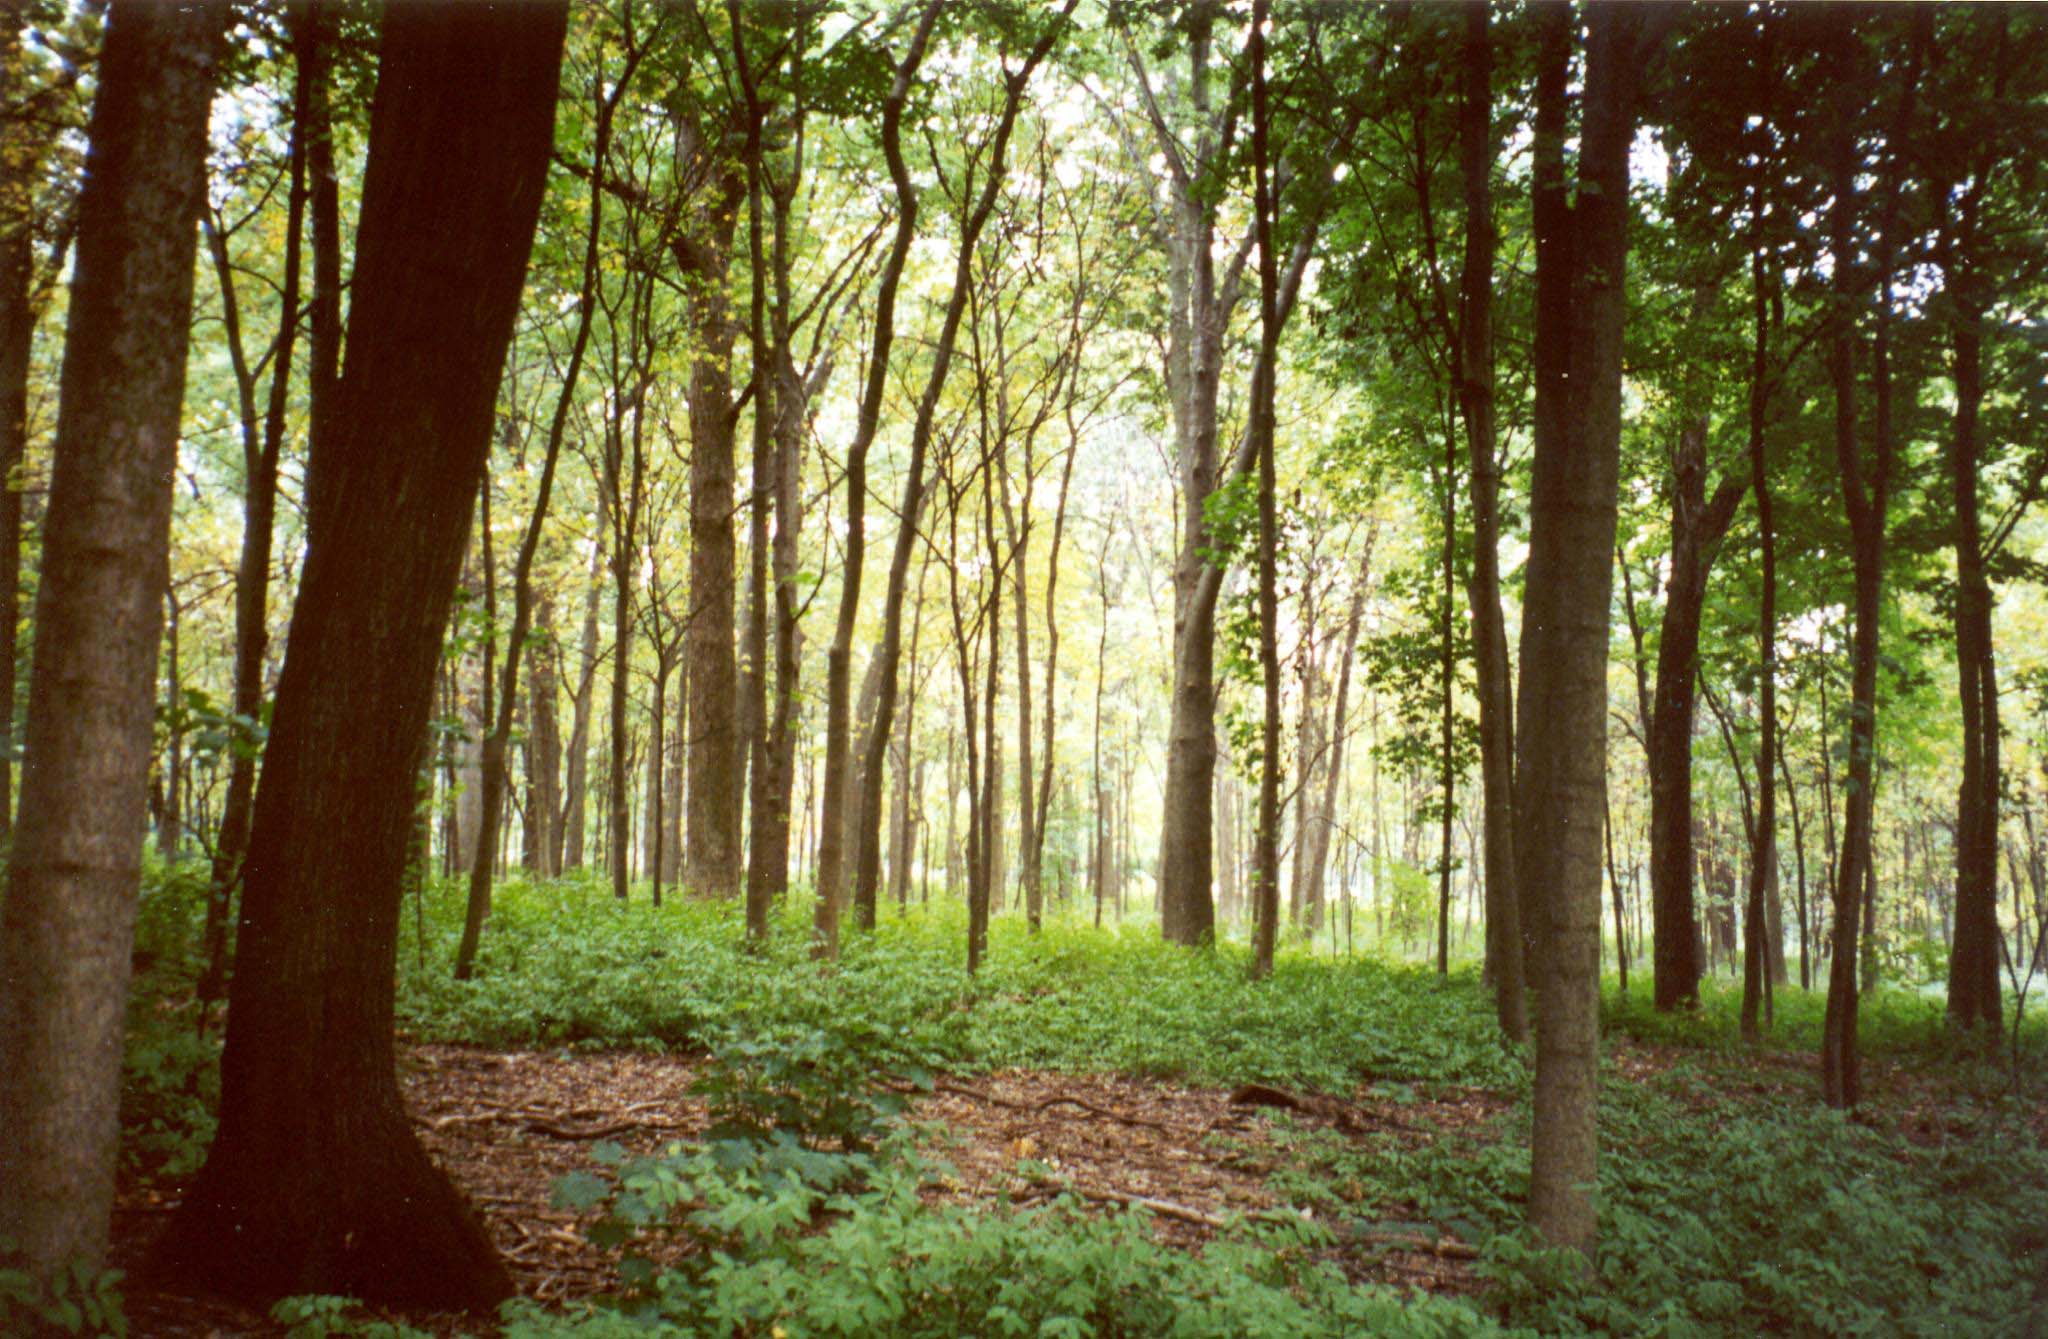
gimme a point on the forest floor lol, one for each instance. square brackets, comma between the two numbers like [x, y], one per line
[507, 1125]
[1098, 1125]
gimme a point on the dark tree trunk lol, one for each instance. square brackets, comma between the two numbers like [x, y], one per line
[1563, 727]
[1504, 958]
[713, 752]
[69, 914]
[1697, 525]
[316, 1177]
[1973, 992]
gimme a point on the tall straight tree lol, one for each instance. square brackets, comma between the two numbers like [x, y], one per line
[69, 916]
[1489, 628]
[316, 1181]
[1561, 776]
[1862, 262]
[1266, 861]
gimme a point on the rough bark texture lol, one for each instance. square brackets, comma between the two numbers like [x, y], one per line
[717, 764]
[69, 917]
[1563, 724]
[316, 1183]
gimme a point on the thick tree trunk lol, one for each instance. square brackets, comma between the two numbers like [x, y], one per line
[712, 854]
[1973, 992]
[1563, 726]
[316, 1176]
[69, 915]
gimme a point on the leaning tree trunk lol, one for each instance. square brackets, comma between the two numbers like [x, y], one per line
[867, 859]
[317, 1176]
[69, 915]
[498, 743]
[1563, 724]
[1697, 525]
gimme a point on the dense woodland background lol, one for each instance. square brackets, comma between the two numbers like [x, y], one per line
[1357, 493]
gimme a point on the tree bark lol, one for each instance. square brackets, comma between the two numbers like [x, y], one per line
[1563, 726]
[712, 855]
[1266, 878]
[69, 916]
[1504, 959]
[316, 1175]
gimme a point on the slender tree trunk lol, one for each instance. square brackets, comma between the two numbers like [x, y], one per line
[1267, 878]
[1866, 494]
[68, 919]
[838, 744]
[259, 502]
[575, 803]
[543, 750]
[316, 1174]
[1763, 855]
[867, 878]
[1504, 958]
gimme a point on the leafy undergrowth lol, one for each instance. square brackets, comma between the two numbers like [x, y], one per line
[1732, 1203]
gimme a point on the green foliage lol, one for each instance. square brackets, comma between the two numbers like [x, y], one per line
[315, 1316]
[793, 1243]
[1737, 1217]
[565, 964]
[78, 1301]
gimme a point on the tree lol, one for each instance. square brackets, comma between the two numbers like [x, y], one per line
[316, 1175]
[69, 917]
[1582, 251]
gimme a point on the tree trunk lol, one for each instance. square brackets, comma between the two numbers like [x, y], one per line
[576, 800]
[1489, 628]
[867, 868]
[1866, 496]
[69, 915]
[1266, 879]
[1758, 927]
[717, 764]
[316, 1175]
[838, 659]
[544, 750]
[1563, 727]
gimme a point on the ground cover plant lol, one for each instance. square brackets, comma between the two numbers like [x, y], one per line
[816, 1192]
